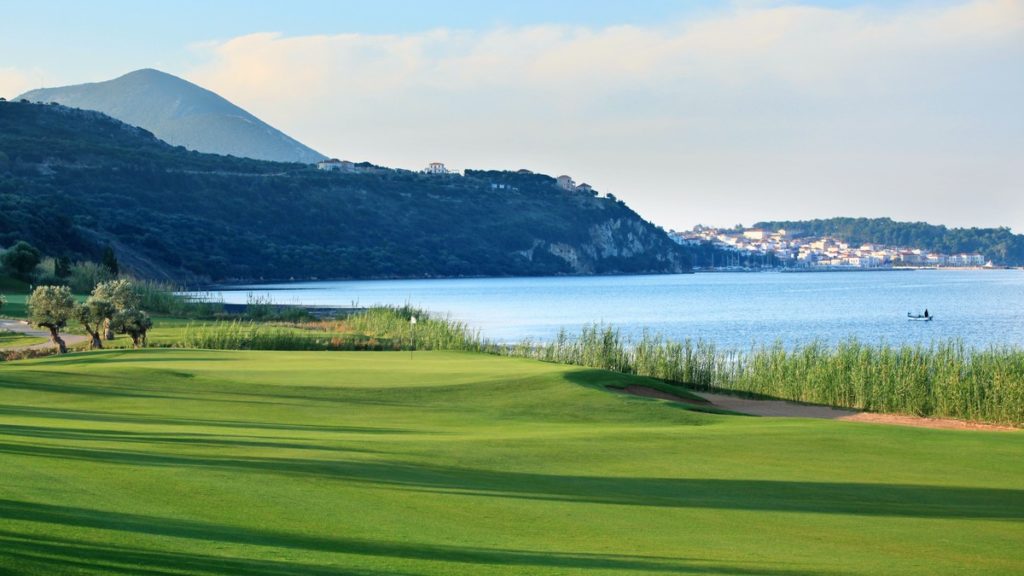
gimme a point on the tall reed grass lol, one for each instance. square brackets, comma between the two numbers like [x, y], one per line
[429, 332]
[249, 335]
[162, 298]
[943, 379]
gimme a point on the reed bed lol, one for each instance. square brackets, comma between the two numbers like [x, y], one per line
[429, 332]
[944, 379]
[161, 298]
[249, 335]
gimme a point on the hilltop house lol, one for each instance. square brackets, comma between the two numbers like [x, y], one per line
[436, 168]
[336, 165]
[565, 182]
[585, 187]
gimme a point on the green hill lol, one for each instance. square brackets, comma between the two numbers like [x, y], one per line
[999, 245]
[73, 181]
[286, 463]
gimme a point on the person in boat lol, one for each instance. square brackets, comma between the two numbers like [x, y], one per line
[925, 312]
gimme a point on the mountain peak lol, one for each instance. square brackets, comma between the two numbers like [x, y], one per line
[148, 72]
[181, 113]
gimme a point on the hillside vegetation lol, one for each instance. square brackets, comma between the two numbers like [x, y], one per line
[73, 182]
[999, 245]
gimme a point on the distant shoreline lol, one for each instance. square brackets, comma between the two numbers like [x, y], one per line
[266, 285]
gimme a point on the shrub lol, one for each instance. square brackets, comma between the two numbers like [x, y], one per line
[21, 259]
[86, 275]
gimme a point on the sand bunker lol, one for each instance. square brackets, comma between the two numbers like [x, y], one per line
[784, 409]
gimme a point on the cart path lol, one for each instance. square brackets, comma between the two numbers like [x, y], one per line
[23, 327]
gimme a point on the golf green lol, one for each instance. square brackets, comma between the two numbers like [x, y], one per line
[167, 462]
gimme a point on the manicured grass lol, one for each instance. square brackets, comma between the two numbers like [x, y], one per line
[8, 284]
[13, 339]
[272, 463]
[15, 306]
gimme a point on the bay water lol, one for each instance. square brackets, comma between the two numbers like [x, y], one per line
[734, 310]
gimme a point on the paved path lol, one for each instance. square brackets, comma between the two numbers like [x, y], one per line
[22, 327]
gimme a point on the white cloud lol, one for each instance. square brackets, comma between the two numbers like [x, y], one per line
[771, 111]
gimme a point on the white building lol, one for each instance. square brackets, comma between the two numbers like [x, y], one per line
[565, 182]
[436, 168]
[336, 165]
[966, 260]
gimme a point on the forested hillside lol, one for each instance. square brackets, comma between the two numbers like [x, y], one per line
[997, 244]
[73, 182]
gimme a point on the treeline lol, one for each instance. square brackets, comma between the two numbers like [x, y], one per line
[73, 182]
[999, 245]
[712, 256]
[27, 264]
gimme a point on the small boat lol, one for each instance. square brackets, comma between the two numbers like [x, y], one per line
[920, 317]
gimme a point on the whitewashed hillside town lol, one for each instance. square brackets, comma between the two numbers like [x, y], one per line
[793, 249]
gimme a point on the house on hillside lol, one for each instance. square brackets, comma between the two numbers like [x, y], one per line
[565, 182]
[335, 165]
[437, 168]
[585, 187]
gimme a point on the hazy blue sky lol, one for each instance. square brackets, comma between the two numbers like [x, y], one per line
[710, 112]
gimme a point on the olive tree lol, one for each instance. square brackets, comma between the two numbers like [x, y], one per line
[91, 315]
[121, 294]
[134, 323]
[51, 307]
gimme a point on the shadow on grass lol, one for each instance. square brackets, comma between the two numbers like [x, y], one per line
[66, 553]
[169, 438]
[130, 384]
[896, 500]
[123, 356]
[128, 418]
[60, 555]
[76, 384]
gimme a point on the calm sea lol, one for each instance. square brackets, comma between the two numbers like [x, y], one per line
[980, 307]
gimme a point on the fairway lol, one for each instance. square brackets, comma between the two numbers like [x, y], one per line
[168, 462]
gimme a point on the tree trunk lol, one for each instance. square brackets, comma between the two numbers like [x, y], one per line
[108, 331]
[57, 340]
[135, 340]
[95, 343]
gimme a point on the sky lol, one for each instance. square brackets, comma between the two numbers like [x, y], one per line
[717, 112]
